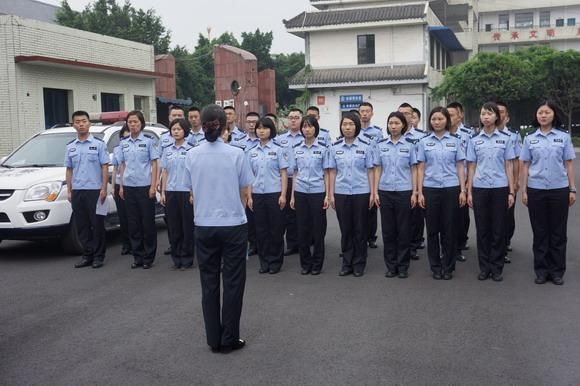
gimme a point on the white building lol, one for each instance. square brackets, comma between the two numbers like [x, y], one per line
[393, 51]
[48, 71]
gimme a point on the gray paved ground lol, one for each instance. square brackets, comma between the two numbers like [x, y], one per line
[115, 325]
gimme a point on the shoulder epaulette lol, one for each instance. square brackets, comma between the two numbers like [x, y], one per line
[465, 130]
[368, 136]
[378, 128]
[473, 135]
[410, 140]
[455, 135]
[253, 147]
[503, 132]
[147, 136]
[71, 141]
[241, 137]
[420, 131]
[276, 143]
[561, 129]
[321, 142]
[165, 132]
[338, 141]
[383, 140]
[125, 138]
[298, 144]
[325, 130]
[515, 131]
[169, 144]
[238, 145]
[363, 141]
[98, 139]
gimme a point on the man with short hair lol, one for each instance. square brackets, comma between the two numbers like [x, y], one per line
[232, 123]
[292, 137]
[416, 117]
[87, 174]
[324, 135]
[196, 134]
[516, 140]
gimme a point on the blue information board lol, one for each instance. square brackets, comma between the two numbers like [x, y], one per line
[349, 102]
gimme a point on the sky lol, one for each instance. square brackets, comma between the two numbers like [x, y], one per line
[186, 19]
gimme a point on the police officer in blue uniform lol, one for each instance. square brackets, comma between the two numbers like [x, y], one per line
[292, 137]
[516, 140]
[372, 134]
[175, 196]
[220, 177]
[490, 189]
[86, 161]
[119, 202]
[323, 134]
[548, 190]
[233, 128]
[440, 182]
[138, 186]
[395, 194]
[246, 142]
[196, 133]
[309, 195]
[351, 161]
[417, 213]
[269, 162]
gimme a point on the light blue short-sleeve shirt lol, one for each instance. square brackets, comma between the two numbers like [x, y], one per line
[489, 153]
[86, 158]
[396, 161]
[310, 161]
[173, 160]
[137, 154]
[440, 156]
[351, 163]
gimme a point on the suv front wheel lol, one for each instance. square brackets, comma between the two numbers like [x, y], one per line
[70, 242]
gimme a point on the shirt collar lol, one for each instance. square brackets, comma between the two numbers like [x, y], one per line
[90, 138]
[494, 133]
[539, 132]
[141, 137]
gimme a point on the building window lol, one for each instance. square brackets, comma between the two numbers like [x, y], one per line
[544, 18]
[438, 55]
[488, 27]
[141, 103]
[504, 21]
[504, 48]
[366, 49]
[559, 22]
[525, 20]
[110, 102]
[432, 51]
[57, 106]
[571, 22]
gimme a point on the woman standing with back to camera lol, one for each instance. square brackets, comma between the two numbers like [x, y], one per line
[548, 190]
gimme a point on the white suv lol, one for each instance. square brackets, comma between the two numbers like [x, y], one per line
[33, 196]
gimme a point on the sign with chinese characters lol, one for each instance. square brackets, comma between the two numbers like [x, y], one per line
[228, 102]
[350, 102]
[531, 35]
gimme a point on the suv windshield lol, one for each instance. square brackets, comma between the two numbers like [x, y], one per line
[42, 151]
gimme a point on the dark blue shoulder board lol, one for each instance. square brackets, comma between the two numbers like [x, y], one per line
[410, 140]
[363, 141]
[71, 141]
[503, 132]
[561, 129]
[325, 130]
[338, 141]
[455, 135]
[147, 136]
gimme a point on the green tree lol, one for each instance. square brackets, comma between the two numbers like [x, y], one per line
[286, 66]
[126, 22]
[259, 44]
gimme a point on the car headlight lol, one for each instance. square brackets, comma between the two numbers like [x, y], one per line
[47, 191]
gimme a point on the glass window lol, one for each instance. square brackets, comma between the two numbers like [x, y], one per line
[366, 49]
[559, 22]
[504, 22]
[504, 48]
[524, 20]
[488, 27]
[544, 18]
[571, 22]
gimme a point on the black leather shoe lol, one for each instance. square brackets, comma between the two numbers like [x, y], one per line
[437, 276]
[289, 252]
[263, 270]
[414, 256]
[274, 271]
[447, 276]
[509, 248]
[83, 263]
[240, 344]
[372, 244]
[422, 245]
[136, 265]
[125, 251]
[147, 266]
[305, 272]
[390, 274]
[97, 264]
[461, 258]
[540, 280]
[507, 260]
[497, 277]
[557, 280]
[358, 274]
[464, 247]
[403, 275]
[167, 251]
[483, 276]
[344, 273]
[315, 272]
[216, 349]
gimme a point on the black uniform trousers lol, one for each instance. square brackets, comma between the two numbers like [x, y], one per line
[290, 221]
[141, 216]
[463, 227]
[396, 229]
[441, 216]
[373, 225]
[216, 247]
[510, 225]
[489, 209]
[548, 210]
[180, 222]
[251, 229]
[269, 230]
[311, 221]
[90, 226]
[353, 217]
[417, 228]
[123, 221]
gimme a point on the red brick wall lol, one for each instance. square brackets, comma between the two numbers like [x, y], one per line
[267, 91]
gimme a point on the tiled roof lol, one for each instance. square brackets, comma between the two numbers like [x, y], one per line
[359, 74]
[357, 15]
